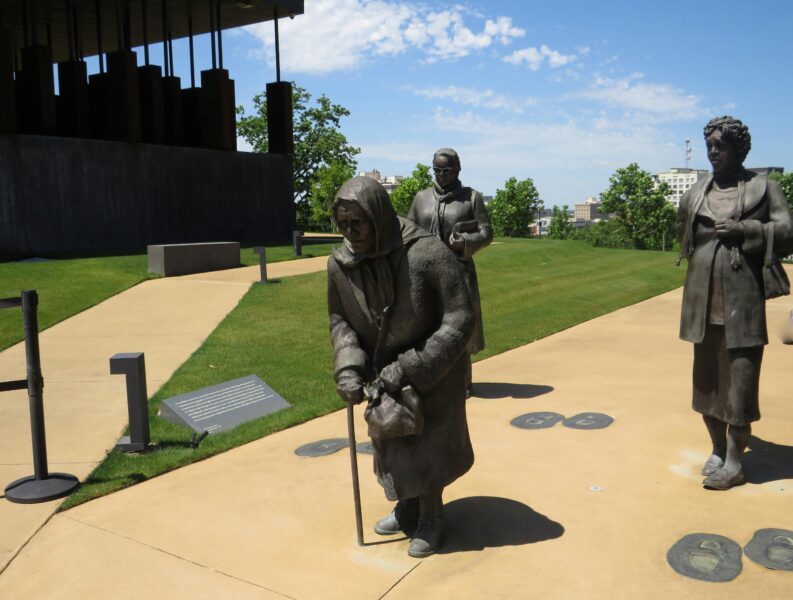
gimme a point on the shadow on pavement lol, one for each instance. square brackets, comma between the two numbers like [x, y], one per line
[767, 461]
[491, 390]
[481, 522]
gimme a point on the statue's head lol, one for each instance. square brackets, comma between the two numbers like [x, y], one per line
[446, 166]
[728, 143]
[365, 217]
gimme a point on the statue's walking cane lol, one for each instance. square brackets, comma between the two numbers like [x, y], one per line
[356, 490]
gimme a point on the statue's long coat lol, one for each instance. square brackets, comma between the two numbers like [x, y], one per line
[744, 300]
[439, 217]
[431, 320]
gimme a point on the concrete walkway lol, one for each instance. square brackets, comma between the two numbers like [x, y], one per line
[85, 407]
[552, 513]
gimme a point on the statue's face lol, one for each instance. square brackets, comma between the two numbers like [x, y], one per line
[356, 227]
[445, 173]
[723, 156]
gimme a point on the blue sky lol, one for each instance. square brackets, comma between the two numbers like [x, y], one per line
[563, 92]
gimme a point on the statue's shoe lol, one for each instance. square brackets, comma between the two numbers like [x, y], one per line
[427, 539]
[403, 517]
[713, 464]
[721, 481]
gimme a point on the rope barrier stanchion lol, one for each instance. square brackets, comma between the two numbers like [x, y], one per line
[42, 485]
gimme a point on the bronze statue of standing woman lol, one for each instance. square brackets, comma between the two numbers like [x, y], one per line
[400, 321]
[457, 216]
[726, 223]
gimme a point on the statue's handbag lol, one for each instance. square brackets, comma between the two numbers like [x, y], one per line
[775, 280]
[390, 416]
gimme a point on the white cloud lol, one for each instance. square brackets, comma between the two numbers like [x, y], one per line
[337, 35]
[569, 159]
[661, 101]
[486, 98]
[534, 58]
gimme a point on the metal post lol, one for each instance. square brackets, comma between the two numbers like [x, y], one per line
[356, 488]
[165, 61]
[297, 243]
[212, 34]
[277, 47]
[170, 53]
[33, 23]
[120, 45]
[262, 252]
[190, 39]
[35, 383]
[43, 485]
[145, 18]
[78, 44]
[70, 30]
[220, 37]
[101, 57]
[133, 365]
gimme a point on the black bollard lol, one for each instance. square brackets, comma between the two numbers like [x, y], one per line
[262, 252]
[297, 242]
[43, 485]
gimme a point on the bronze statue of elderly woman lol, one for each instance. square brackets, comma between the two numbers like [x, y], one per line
[400, 321]
[456, 215]
[731, 226]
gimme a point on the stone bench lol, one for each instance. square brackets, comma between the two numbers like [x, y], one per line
[182, 259]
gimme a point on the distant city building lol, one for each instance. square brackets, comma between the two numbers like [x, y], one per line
[541, 223]
[588, 211]
[679, 181]
[389, 182]
[766, 170]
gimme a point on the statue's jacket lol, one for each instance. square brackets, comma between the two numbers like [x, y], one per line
[760, 202]
[430, 320]
[463, 204]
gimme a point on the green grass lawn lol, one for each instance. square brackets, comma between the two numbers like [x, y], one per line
[69, 285]
[65, 287]
[279, 332]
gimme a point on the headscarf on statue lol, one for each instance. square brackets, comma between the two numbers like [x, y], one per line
[373, 273]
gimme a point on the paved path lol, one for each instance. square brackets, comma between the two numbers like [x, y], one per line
[554, 513]
[85, 406]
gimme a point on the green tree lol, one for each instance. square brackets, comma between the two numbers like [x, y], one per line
[560, 227]
[640, 208]
[318, 141]
[514, 208]
[785, 181]
[402, 196]
[323, 190]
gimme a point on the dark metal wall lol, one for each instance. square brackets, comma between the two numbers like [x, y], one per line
[75, 195]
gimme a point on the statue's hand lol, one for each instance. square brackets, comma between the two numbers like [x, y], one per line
[728, 229]
[350, 386]
[456, 242]
[393, 377]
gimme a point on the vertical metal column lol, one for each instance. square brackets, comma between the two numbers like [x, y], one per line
[145, 18]
[70, 30]
[99, 36]
[220, 37]
[277, 47]
[165, 61]
[262, 252]
[212, 35]
[190, 39]
[43, 485]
